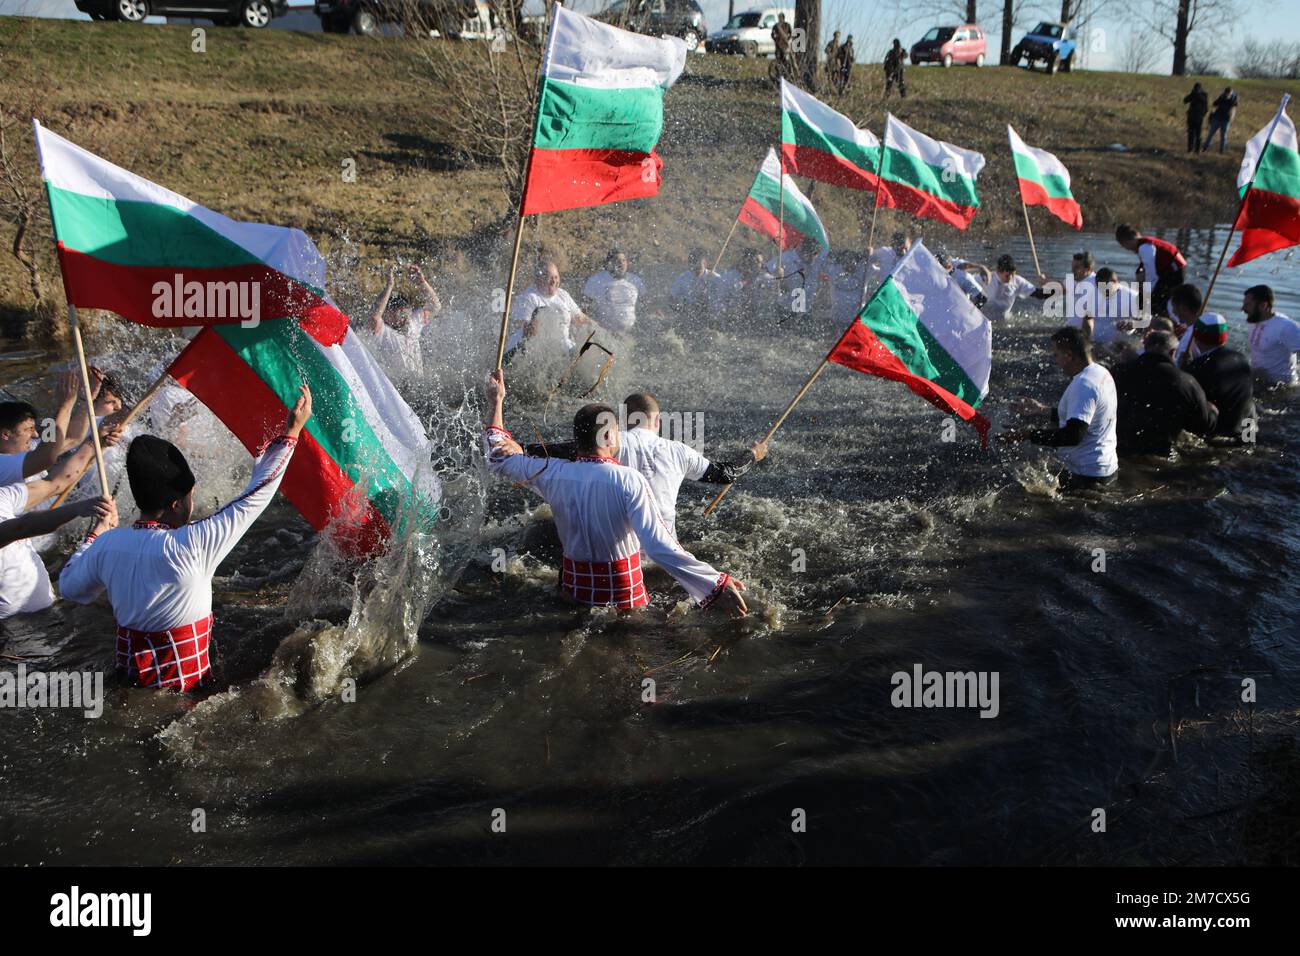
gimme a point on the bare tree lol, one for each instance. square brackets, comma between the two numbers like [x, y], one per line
[1177, 20]
[23, 205]
[1255, 59]
[808, 17]
[1137, 55]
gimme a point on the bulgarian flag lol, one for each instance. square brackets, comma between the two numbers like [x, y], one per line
[154, 257]
[599, 115]
[1269, 182]
[927, 177]
[821, 144]
[1044, 181]
[137, 249]
[792, 221]
[920, 329]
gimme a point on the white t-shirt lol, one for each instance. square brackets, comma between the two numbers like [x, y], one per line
[533, 299]
[665, 464]
[11, 467]
[696, 291]
[615, 299]
[1002, 295]
[400, 348]
[1090, 397]
[1273, 344]
[965, 281]
[847, 290]
[1081, 302]
[883, 261]
[1111, 305]
[791, 259]
[24, 582]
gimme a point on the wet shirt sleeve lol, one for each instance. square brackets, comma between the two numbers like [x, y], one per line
[702, 581]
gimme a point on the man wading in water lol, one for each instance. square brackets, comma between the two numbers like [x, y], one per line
[604, 513]
[158, 573]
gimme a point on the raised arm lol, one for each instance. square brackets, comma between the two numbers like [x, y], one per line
[216, 535]
[43, 456]
[71, 468]
[431, 300]
[33, 524]
[381, 304]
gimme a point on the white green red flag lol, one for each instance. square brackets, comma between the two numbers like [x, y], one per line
[928, 177]
[921, 329]
[789, 219]
[1269, 186]
[127, 245]
[600, 114]
[1044, 181]
[819, 143]
[154, 257]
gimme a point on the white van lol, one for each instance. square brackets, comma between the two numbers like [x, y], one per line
[749, 33]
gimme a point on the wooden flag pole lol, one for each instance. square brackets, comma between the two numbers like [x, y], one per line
[780, 232]
[789, 408]
[136, 411]
[90, 399]
[1033, 249]
[726, 242]
[523, 195]
[1241, 207]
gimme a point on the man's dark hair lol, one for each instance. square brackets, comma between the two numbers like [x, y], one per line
[641, 407]
[13, 414]
[110, 384]
[613, 254]
[1160, 341]
[158, 473]
[1085, 257]
[1073, 341]
[1006, 264]
[1105, 274]
[1125, 232]
[1187, 296]
[1161, 323]
[1262, 294]
[591, 425]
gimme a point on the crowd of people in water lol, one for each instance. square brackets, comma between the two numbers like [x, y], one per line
[1144, 360]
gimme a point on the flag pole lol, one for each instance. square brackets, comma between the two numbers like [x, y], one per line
[90, 399]
[880, 171]
[734, 223]
[1241, 207]
[131, 416]
[1029, 229]
[523, 192]
[790, 407]
[780, 233]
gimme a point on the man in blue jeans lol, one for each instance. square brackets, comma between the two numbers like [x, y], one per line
[1225, 108]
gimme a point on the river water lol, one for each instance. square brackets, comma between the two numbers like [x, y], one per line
[869, 545]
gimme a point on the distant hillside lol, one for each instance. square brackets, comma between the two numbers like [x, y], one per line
[258, 128]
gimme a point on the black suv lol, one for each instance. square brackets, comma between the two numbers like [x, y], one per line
[450, 18]
[246, 13]
[678, 18]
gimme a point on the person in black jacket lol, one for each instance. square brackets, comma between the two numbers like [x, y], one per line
[1198, 104]
[1157, 401]
[1224, 376]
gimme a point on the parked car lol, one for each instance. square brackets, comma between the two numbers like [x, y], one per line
[1048, 42]
[749, 33]
[678, 18]
[455, 19]
[949, 45]
[245, 13]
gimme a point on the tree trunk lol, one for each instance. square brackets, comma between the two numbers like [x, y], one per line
[808, 17]
[1068, 10]
[1180, 38]
[970, 12]
[1008, 24]
[731, 10]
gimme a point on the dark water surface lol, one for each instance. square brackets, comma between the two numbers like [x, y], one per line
[1119, 690]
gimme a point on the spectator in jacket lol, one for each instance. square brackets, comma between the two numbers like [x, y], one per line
[1224, 375]
[1225, 110]
[1198, 104]
[1157, 400]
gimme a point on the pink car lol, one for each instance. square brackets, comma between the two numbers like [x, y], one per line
[949, 45]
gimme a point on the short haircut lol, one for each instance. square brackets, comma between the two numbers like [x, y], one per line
[589, 426]
[1084, 256]
[613, 254]
[158, 473]
[1125, 232]
[544, 266]
[1187, 296]
[13, 414]
[1073, 341]
[697, 252]
[111, 385]
[1006, 264]
[1160, 341]
[1105, 274]
[1261, 293]
[1161, 323]
[641, 404]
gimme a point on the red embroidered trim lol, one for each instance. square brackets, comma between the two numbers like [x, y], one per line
[612, 461]
[494, 428]
[718, 588]
[147, 524]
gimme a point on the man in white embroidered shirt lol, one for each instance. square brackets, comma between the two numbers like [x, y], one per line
[604, 513]
[1274, 338]
[614, 293]
[158, 573]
